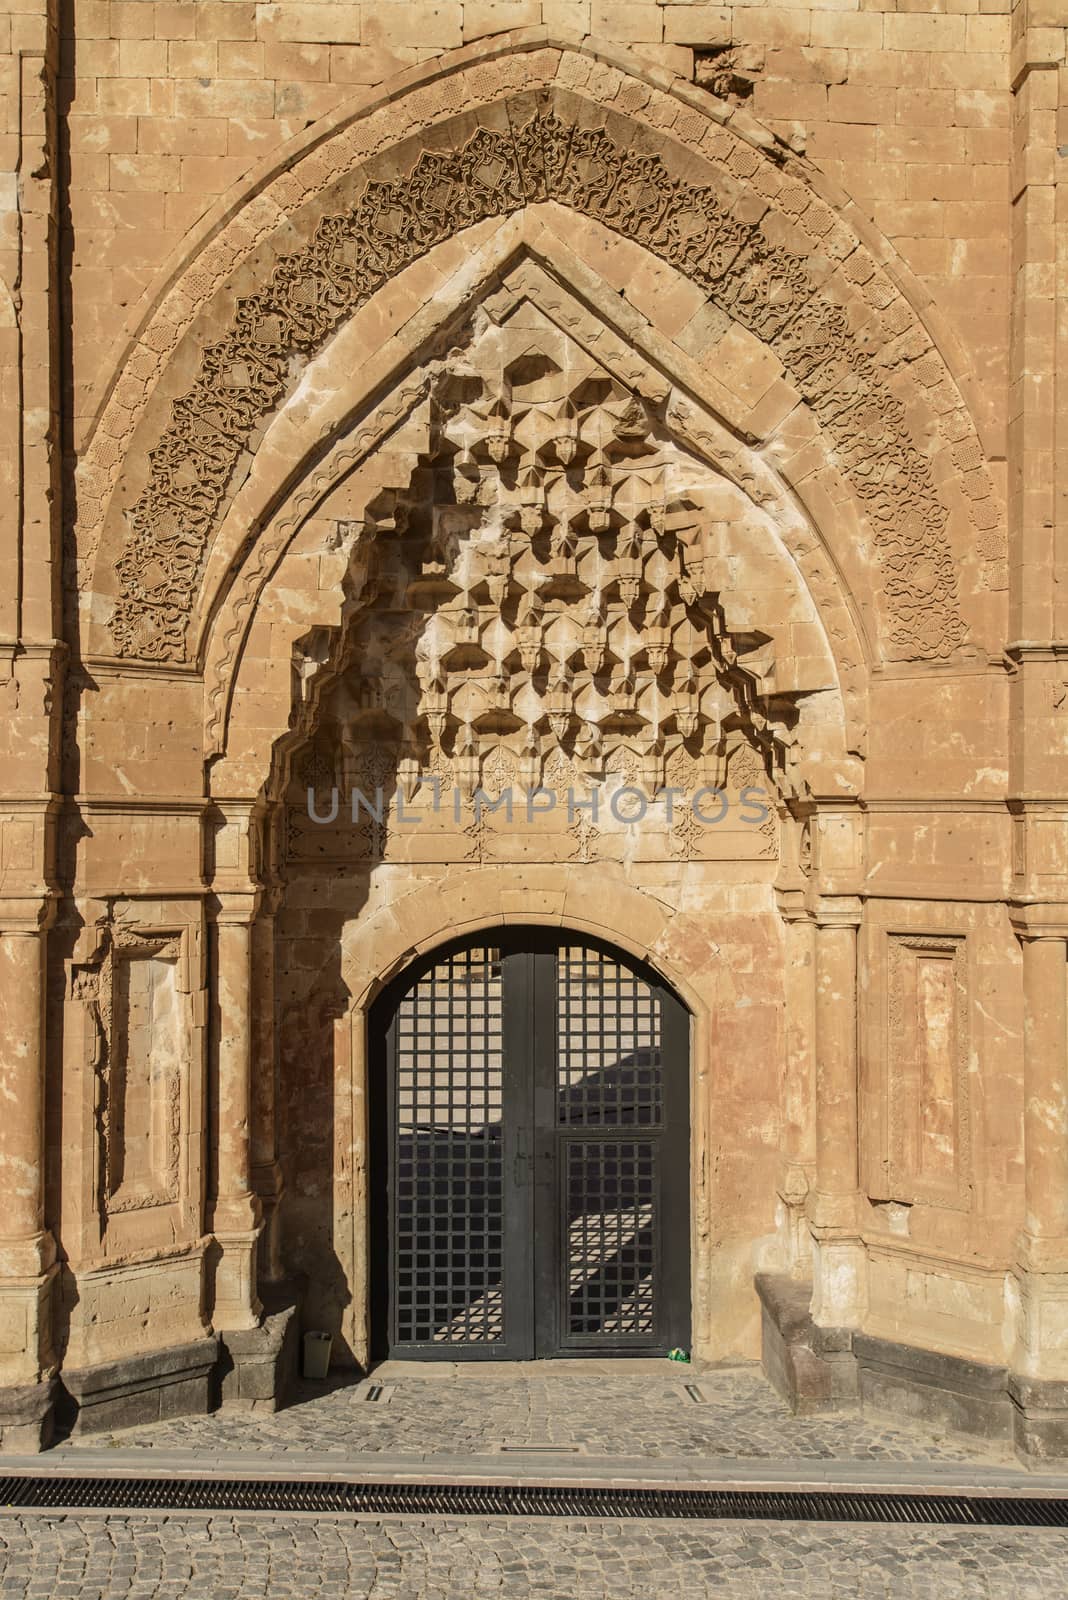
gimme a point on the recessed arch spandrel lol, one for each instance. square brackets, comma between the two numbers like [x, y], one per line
[760, 246]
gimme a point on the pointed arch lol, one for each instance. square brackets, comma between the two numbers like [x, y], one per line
[647, 160]
[267, 597]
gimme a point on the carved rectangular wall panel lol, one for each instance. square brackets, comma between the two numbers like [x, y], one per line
[928, 1145]
[144, 1092]
[141, 1030]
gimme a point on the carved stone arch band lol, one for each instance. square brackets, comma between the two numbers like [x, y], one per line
[581, 308]
[758, 243]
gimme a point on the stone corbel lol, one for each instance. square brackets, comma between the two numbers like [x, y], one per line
[91, 941]
[795, 862]
[837, 836]
[1039, 851]
[234, 848]
[838, 910]
[28, 848]
[9, 686]
[27, 913]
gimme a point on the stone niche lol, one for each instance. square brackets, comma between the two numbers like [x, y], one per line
[547, 590]
[136, 1111]
[140, 1021]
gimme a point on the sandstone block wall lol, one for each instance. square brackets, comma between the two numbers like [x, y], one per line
[174, 106]
[820, 392]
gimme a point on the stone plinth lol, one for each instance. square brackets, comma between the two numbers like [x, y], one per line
[258, 1366]
[142, 1388]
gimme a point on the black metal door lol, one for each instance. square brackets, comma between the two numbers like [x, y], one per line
[531, 1098]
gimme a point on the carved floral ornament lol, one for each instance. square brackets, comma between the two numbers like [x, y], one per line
[761, 285]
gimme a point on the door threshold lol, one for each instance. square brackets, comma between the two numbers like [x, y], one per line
[394, 1369]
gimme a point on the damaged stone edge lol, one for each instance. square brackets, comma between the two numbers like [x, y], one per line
[250, 1369]
[817, 1370]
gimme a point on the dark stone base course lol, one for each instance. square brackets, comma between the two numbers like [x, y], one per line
[27, 1417]
[828, 1369]
[932, 1389]
[812, 1368]
[249, 1369]
[143, 1388]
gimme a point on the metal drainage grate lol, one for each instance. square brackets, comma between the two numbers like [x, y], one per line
[381, 1393]
[540, 1449]
[424, 1499]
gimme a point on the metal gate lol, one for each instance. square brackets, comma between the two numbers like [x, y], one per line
[531, 1096]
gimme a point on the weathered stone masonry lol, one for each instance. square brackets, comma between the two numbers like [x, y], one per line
[532, 393]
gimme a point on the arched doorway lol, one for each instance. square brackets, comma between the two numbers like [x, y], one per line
[530, 1139]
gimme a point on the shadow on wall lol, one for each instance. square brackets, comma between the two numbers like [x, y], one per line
[450, 1195]
[312, 997]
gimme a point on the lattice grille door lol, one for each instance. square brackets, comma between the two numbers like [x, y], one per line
[449, 1191]
[537, 1129]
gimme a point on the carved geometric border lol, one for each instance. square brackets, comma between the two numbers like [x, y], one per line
[267, 549]
[765, 287]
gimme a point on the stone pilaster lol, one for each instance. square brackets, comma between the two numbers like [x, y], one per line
[799, 1083]
[236, 1213]
[265, 1168]
[1043, 1251]
[838, 1298]
[799, 1046]
[27, 1250]
[1046, 1088]
[258, 1351]
[1038, 723]
[1039, 1380]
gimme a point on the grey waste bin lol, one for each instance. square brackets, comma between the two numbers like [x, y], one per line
[317, 1354]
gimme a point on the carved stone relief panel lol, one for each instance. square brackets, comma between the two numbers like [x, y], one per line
[768, 573]
[766, 288]
[928, 1128]
[540, 609]
[138, 1005]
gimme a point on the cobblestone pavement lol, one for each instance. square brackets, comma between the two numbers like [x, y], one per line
[628, 1409]
[236, 1558]
[634, 1409]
